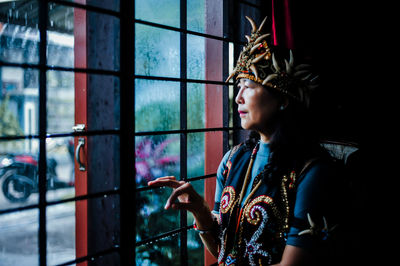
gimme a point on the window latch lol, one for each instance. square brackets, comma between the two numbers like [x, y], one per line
[79, 128]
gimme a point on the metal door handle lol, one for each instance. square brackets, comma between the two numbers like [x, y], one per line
[81, 143]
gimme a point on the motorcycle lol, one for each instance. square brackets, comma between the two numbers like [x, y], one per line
[21, 177]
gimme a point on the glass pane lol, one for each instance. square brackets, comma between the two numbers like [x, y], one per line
[19, 101]
[60, 101]
[197, 145]
[163, 12]
[156, 156]
[19, 173]
[214, 106]
[19, 34]
[103, 105]
[60, 225]
[195, 106]
[102, 165]
[198, 185]
[151, 218]
[60, 36]
[195, 154]
[200, 114]
[60, 168]
[196, 57]
[196, 15]
[163, 252]
[195, 248]
[157, 51]
[232, 112]
[202, 52]
[156, 105]
[103, 216]
[194, 244]
[101, 32]
[19, 238]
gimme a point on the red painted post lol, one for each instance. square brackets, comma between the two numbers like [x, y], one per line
[213, 103]
[81, 213]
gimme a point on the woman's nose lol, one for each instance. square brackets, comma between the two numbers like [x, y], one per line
[239, 97]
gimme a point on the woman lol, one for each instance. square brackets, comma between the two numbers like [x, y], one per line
[273, 195]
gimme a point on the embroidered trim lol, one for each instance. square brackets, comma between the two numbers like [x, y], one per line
[227, 199]
[230, 260]
[252, 247]
[252, 216]
[227, 170]
[229, 163]
[222, 238]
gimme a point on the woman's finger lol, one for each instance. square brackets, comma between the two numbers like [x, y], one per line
[162, 179]
[165, 183]
[183, 189]
[166, 177]
[187, 206]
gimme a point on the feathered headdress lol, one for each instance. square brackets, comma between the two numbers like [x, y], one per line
[257, 63]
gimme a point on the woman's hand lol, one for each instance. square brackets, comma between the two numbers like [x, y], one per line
[188, 198]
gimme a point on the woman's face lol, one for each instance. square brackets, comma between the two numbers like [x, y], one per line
[256, 105]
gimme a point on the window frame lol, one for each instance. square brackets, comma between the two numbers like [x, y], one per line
[127, 132]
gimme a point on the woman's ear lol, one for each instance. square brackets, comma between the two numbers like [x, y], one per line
[284, 103]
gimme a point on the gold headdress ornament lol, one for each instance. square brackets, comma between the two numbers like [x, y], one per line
[257, 63]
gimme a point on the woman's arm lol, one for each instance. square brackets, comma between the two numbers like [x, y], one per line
[190, 200]
[209, 240]
[295, 256]
[313, 197]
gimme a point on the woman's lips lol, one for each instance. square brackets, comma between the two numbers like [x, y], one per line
[242, 113]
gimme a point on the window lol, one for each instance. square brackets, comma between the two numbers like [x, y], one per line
[50, 83]
[178, 119]
[145, 78]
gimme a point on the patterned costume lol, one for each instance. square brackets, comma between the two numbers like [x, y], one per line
[245, 229]
[256, 232]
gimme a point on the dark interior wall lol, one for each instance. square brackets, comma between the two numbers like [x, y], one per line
[345, 42]
[332, 36]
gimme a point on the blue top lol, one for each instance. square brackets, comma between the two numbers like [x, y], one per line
[260, 161]
[311, 195]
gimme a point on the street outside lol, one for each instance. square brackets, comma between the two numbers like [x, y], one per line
[19, 230]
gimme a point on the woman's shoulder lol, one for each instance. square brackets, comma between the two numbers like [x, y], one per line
[320, 172]
[316, 163]
[232, 153]
[235, 150]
